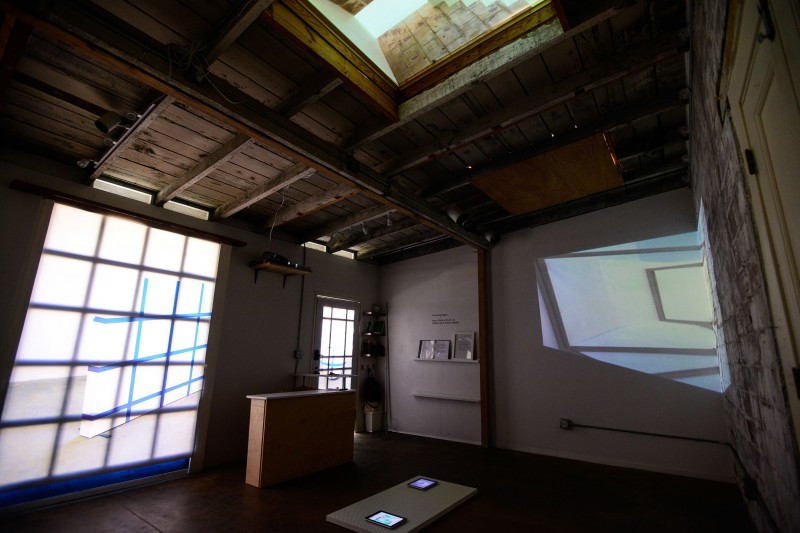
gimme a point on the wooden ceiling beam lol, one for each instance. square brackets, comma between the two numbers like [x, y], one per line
[300, 21]
[408, 248]
[347, 222]
[246, 13]
[308, 93]
[610, 123]
[271, 186]
[628, 192]
[313, 203]
[534, 43]
[601, 75]
[130, 137]
[204, 167]
[115, 50]
[14, 35]
[342, 242]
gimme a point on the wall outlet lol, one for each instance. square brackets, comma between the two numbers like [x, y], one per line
[565, 423]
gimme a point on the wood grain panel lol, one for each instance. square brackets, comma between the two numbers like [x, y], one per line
[294, 436]
[573, 171]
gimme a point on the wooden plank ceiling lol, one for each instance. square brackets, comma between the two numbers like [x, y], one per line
[223, 107]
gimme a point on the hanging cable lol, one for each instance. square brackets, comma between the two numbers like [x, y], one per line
[274, 220]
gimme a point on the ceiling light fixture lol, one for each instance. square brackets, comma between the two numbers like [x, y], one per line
[388, 220]
[364, 229]
[459, 217]
[111, 120]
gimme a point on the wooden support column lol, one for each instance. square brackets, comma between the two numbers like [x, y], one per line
[485, 342]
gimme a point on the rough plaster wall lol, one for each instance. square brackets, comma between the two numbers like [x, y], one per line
[754, 396]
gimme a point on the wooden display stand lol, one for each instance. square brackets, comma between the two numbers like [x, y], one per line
[297, 433]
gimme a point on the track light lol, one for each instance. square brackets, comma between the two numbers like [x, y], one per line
[83, 163]
[388, 220]
[364, 229]
[459, 217]
[108, 122]
[111, 120]
[455, 214]
[493, 238]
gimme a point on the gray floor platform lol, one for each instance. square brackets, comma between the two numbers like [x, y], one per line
[419, 507]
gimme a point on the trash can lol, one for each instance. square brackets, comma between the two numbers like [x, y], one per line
[373, 421]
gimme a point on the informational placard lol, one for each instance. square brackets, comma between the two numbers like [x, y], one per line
[464, 345]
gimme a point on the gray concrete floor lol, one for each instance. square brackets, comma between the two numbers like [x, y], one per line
[516, 492]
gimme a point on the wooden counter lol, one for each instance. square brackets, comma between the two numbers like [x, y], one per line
[297, 433]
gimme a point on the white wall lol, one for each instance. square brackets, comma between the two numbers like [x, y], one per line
[534, 386]
[254, 328]
[432, 297]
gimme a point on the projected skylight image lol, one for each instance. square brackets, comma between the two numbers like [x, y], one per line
[644, 306]
[110, 365]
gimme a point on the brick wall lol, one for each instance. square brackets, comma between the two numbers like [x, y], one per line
[756, 408]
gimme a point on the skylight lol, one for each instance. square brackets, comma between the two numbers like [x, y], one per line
[382, 15]
[404, 38]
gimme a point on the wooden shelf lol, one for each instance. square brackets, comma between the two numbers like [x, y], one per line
[278, 268]
[438, 396]
[445, 360]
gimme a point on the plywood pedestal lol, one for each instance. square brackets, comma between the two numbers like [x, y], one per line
[297, 433]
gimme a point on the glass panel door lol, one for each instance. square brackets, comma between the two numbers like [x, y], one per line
[336, 329]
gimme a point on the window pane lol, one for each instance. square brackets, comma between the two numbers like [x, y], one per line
[339, 312]
[201, 258]
[75, 360]
[61, 281]
[72, 230]
[164, 250]
[114, 288]
[338, 337]
[123, 240]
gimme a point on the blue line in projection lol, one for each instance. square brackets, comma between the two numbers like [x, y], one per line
[196, 334]
[136, 351]
[155, 390]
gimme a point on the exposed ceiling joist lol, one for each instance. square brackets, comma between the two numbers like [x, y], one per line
[271, 186]
[246, 14]
[342, 242]
[628, 192]
[113, 49]
[349, 221]
[313, 203]
[14, 35]
[610, 71]
[491, 66]
[299, 20]
[610, 123]
[406, 245]
[133, 135]
[307, 94]
[204, 167]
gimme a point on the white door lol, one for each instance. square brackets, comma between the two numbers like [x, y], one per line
[765, 109]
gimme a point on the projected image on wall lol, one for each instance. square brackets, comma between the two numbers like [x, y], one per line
[110, 365]
[644, 306]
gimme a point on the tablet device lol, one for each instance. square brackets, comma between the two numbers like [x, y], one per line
[422, 483]
[387, 520]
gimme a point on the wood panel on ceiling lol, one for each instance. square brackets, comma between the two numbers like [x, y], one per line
[310, 30]
[567, 173]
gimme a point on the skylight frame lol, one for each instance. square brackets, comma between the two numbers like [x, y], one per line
[373, 81]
